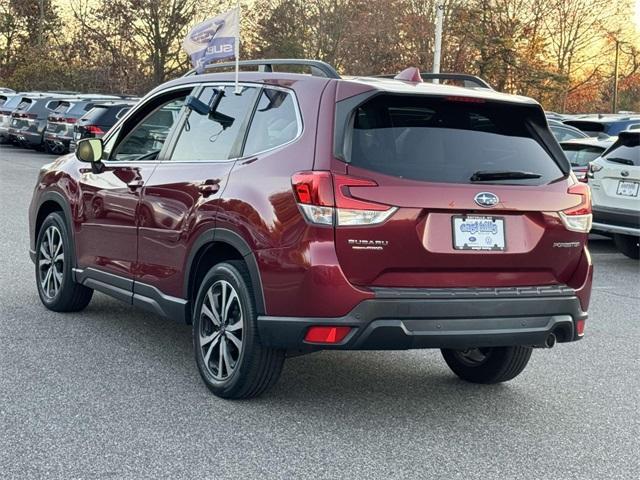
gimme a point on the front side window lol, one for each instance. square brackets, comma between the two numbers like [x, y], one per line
[274, 123]
[146, 139]
[219, 136]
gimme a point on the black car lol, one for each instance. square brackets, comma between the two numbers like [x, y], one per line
[29, 119]
[59, 131]
[97, 121]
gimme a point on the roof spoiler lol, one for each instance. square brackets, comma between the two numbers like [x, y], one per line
[469, 81]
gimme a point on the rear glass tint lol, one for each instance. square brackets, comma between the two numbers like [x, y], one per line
[94, 115]
[626, 150]
[436, 140]
[24, 104]
[62, 107]
[581, 155]
[587, 127]
[12, 103]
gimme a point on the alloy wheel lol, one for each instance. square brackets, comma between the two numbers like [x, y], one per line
[221, 330]
[51, 262]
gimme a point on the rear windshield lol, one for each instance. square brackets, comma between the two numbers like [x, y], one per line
[12, 103]
[24, 104]
[95, 113]
[438, 140]
[626, 150]
[62, 107]
[581, 155]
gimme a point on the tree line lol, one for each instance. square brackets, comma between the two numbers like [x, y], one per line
[560, 52]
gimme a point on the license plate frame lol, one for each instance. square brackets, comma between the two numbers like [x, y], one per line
[628, 184]
[489, 236]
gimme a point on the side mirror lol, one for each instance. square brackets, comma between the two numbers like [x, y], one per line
[89, 150]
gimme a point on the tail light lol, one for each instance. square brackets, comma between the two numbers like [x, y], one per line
[578, 218]
[325, 199]
[95, 130]
[70, 120]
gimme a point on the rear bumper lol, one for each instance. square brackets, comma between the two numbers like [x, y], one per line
[399, 319]
[616, 220]
[26, 137]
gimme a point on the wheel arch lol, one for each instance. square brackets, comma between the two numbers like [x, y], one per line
[216, 245]
[54, 202]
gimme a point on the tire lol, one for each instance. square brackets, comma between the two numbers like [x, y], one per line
[628, 245]
[230, 370]
[58, 292]
[488, 365]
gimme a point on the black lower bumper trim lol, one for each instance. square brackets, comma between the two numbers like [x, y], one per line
[399, 324]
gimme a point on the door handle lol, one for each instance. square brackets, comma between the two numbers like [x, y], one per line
[209, 187]
[135, 184]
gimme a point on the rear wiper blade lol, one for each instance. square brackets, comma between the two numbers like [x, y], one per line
[624, 161]
[483, 175]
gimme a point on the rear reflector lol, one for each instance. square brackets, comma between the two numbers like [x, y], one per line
[326, 334]
[580, 328]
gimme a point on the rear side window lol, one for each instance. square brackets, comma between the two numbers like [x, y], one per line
[581, 155]
[626, 150]
[437, 140]
[275, 122]
[205, 138]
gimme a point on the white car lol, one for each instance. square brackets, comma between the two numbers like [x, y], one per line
[615, 187]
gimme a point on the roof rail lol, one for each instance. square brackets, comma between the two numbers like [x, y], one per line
[318, 67]
[470, 81]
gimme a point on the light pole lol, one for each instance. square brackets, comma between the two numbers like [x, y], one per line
[437, 51]
[615, 79]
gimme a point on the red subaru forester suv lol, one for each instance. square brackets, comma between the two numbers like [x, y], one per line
[305, 212]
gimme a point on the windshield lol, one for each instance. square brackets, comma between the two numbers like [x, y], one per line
[438, 140]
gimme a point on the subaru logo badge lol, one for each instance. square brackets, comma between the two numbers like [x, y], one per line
[624, 173]
[486, 199]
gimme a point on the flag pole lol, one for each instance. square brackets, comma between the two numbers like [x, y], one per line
[237, 91]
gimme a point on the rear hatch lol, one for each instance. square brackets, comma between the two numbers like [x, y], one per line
[616, 180]
[57, 123]
[475, 188]
[21, 117]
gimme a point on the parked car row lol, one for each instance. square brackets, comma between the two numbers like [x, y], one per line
[53, 121]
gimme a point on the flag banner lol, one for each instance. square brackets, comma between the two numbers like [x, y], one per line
[214, 39]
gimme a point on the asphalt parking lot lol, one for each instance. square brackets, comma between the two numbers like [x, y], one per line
[113, 392]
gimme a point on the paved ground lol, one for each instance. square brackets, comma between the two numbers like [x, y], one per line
[113, 392]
